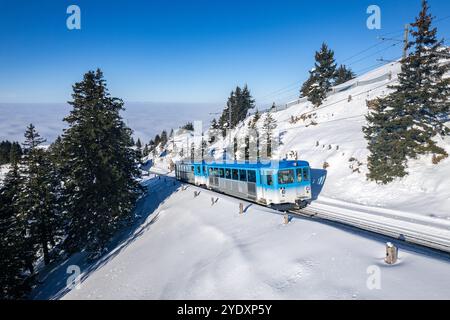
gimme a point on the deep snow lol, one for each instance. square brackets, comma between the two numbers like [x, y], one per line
[188, 249]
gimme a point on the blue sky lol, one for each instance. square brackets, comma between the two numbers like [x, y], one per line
[191, 50]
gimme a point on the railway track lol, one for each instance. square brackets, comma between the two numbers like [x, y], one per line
[434, 238]
[413, 233]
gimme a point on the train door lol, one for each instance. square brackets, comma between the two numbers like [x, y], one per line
[266, 184]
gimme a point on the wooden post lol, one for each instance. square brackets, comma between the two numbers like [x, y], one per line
[391, 253]
[286, 219]
[212, 201]
[241, 208]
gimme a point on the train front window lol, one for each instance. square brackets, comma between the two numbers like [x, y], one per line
[235, 174]
[286, 176]
[252, 176]
[198, 169]
[243, 175]
[305, 174]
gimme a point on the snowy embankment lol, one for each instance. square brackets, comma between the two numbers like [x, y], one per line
[188, 249]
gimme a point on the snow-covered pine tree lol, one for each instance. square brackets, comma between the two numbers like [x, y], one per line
[101, 187]
[139, 148]
[254, 120]
[164, 138]
[13, 277]
[320, 77]
[213, 131]
[384, 133]
[38, 198]
[269, 125]
[145, 151]
[422, 89]
[406, 123]
[245, 104]
[343, 74]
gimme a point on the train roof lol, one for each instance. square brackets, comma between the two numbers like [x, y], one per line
[256, 165]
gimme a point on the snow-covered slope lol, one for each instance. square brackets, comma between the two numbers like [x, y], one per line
[188, 249]
[333, 133]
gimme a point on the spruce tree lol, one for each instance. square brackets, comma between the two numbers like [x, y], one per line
[406, 123]
[13, 277]
[37, 201]
[422, 89]
[252, 124]
[139, 148]
[343, 74]
[269, 125]
[164, 138]
[100, 188]
[387, 159]
[321, 77]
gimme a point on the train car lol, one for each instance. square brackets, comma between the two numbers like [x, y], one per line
[281, 184]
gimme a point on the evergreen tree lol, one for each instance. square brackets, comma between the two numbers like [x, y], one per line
[423, 91]
[101, 187]
[387, 159]
[188, 126]
[343, 74]
[404, 124]
[146, 150]
[13, 278]
[321, 77]
[254, 121]
[157, 140]
[139, 148]
[164, 138]
[239, 102]
[37, 201]
[213, 131]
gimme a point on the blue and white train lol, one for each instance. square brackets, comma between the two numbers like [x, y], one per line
[283, 185]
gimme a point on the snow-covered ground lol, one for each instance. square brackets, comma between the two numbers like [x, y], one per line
[333, 134]
[184, 248]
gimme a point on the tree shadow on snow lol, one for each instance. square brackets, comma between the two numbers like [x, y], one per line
[318, 178]
[53, 279]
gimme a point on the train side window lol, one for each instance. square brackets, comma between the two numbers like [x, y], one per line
[203, 169]
[299, 175]
[221, 173]
[198, 169]
[286, 176]
[235, 174]
[192, 168]
[243, 175]
[227, 174]
[251, 176]
[305, 174]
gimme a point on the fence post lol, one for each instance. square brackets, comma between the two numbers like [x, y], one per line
[286, 219]
[241, 208]
[391, 253]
